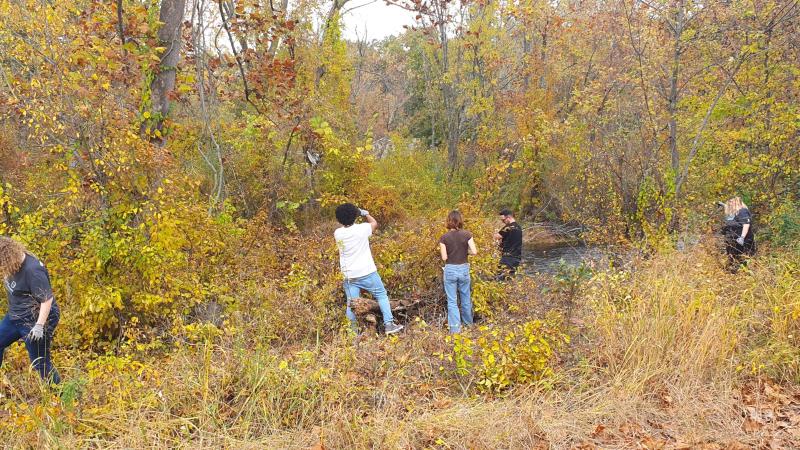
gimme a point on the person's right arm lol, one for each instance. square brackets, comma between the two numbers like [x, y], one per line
[500, 234]
[473, 250]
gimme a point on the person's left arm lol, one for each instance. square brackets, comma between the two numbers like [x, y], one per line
[43, 293]
[44, 311]
[745, 220]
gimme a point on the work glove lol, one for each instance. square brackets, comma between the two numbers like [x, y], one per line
[36, 333]
[364, 212]
[740, 240]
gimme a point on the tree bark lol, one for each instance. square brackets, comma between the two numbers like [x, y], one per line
[336, 7]
[672, 107]
[169, 36]
[451, 107]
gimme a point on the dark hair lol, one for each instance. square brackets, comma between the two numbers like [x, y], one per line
[506, 212]
[347, 213]
[455, 221]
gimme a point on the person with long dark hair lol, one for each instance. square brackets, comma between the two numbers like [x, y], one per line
[32, 310]
[455, 246]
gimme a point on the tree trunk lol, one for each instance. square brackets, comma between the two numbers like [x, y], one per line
[673, 91]
[169, 36]
[526, 50]
[448, 92]
[336, 7]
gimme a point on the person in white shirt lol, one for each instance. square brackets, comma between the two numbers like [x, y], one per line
[357, 265]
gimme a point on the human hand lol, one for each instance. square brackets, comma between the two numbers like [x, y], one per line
[364, 212]
[36, 333]
[740, 240]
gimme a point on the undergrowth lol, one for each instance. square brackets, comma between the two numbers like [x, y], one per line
[667, 339]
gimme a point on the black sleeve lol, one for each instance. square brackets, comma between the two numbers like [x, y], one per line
[503, 231]
[743, 217]
[39, 282]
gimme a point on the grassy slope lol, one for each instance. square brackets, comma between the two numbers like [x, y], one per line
[670, 352]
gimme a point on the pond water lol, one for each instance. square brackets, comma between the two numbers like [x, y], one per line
[547, 260]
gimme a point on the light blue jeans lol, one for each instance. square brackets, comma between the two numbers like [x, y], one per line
[373, 284]
[457, 283]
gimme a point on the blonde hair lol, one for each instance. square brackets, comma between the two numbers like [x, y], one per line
[10, 251]
[733, 206]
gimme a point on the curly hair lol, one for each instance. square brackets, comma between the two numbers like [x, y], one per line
[9, 257]
[347, 213]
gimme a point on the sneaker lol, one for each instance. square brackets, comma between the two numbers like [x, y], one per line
[392, 328]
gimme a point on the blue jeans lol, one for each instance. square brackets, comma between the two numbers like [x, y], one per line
[373, 284]
[457, 283]
[38, 351]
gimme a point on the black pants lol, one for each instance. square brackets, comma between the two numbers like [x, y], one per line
[507, 268]
[738, 254]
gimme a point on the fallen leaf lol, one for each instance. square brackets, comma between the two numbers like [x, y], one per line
[751, 425]
[598, 430]
[651, 443]
[775, 444]
[774, 393]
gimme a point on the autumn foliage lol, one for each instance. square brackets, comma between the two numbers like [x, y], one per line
[175, 163]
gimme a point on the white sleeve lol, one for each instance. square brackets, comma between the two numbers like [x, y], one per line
[366, 229]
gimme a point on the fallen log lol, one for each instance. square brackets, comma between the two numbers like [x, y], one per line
[367, 310]
[363, 306]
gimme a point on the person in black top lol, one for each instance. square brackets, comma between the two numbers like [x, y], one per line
[32, 310]
[738, 231]
[510, 238]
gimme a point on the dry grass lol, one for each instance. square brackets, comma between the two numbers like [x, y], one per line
[661, 355]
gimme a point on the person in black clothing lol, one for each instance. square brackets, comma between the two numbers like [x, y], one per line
[32, 310]
[510, 239]
[738, 231]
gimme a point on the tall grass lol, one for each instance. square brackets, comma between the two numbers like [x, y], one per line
[667, 343]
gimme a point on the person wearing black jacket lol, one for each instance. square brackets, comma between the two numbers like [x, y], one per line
[738, 231]
[510, 239]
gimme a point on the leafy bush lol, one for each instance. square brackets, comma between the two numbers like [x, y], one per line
[784, 230]
[499, 358]
[128, 266]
